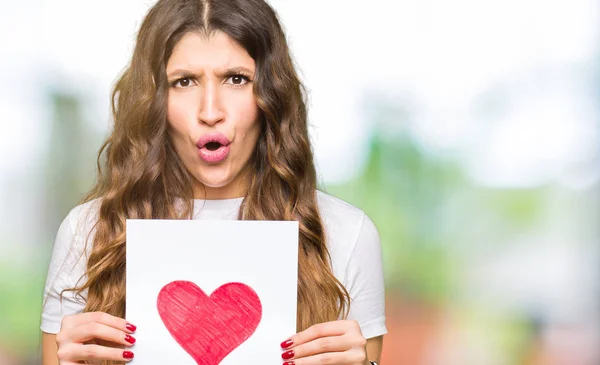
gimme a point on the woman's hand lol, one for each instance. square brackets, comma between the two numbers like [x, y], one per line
[94, 337]
[330, 343]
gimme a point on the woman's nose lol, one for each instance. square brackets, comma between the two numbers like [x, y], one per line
[211, 108]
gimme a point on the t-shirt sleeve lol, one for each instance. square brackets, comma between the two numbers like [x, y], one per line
[67, 267]
[364, 282]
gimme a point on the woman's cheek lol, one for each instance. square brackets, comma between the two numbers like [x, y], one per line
[176, 114]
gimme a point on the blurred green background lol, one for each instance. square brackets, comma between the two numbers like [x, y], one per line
[468, 131]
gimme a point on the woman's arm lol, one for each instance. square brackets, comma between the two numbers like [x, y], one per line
[374, 347]
[49, 349]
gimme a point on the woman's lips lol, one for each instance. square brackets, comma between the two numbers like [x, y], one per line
[216, 155]
[212, 137]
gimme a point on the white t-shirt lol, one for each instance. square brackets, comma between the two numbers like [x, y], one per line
[352, 239]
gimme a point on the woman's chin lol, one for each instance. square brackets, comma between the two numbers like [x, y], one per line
[220, 182]
[216, 188]
[214, 177]
[215, 183]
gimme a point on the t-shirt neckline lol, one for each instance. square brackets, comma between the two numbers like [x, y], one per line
[217, 204]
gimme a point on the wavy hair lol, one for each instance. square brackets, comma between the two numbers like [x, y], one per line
[140, 176]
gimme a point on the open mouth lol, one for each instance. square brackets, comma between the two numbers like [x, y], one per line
[213, 146]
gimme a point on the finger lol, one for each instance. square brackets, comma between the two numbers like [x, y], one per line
[101, 317]
[79, 352]
[318, 346]
[327, 329]
[95, 330]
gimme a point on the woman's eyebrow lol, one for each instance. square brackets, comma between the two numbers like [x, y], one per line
[236, 70]
[180, 72]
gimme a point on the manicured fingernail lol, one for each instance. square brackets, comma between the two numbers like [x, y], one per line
[287, 343]
[288, 363]
[287, 355]
[130, 327]
[129, 339]
[127, 355]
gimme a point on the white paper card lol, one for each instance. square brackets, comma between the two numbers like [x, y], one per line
[173, 267]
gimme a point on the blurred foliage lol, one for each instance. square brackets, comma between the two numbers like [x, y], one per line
[431, 217]
[69, 170]
[20, 306]
[401, 189]
[70, 163]
[424, 208]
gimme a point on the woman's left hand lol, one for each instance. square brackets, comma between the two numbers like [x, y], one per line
[331, 343]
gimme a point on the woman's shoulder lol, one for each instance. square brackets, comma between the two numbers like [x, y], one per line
[344, 223]
[82, 218]
[336, 209]
[352, 238]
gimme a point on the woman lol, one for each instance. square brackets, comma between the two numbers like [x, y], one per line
[211, 112]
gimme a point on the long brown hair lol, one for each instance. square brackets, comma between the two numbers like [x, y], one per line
[140, 175]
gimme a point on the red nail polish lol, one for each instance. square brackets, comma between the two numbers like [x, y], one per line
[129, 339]
[130, 327]
[127, 355]
[288, 363]
[287, 343]
[287, 355]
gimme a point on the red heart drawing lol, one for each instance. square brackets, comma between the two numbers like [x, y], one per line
[209, 327]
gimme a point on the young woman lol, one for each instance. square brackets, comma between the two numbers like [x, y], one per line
[210, 122]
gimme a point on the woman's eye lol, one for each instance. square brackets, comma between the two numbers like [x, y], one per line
[237, 80]
[183, 82]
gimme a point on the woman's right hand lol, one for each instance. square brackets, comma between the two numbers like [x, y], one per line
[94, 337]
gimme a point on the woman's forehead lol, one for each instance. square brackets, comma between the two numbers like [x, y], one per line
[215, 52]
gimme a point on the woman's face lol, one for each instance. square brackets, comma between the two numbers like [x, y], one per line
[212, 112]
